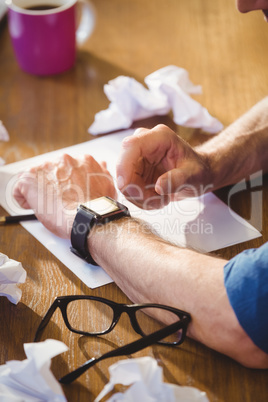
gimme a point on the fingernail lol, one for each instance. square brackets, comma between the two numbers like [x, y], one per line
[120, 182]
[159, 189]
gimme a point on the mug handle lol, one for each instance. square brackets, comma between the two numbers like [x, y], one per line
[87, 21]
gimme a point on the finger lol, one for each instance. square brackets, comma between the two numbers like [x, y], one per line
[151, 145]
[145, 198]
[156, 202]
[67, 159]
[130, 153]
[184, 179]
[93, 165]
[19, 197]
[103, 165]
[24, 181]
[169, 182]
[48, 166]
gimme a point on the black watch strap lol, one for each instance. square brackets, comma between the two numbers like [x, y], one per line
[85, 219]
[81, 228]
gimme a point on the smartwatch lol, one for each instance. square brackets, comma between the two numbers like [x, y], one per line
[95, 212]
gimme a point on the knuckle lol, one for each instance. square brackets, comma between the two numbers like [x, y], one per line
[162, 128]
[135, 137]
[88, 157]
[67, 158]
[141, 131]
[127, 142]
[32, 170]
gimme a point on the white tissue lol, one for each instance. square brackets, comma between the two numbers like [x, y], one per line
[31, 379]
[3, 132]
[168, 89]
[144, 377]
[3, 137]
[11, 273]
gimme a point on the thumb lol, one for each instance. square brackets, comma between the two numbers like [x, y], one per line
[19, 195]
[22, 190]
[184, 179]
[170, 182]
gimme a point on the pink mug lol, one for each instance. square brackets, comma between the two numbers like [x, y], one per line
[44, 33]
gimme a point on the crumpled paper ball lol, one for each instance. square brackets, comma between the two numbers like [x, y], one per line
[168, 89]
[3, 137]
[3, 132]
[145, 380]
[31, 380]
[11, 273]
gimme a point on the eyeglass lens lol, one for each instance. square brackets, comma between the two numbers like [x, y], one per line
[90, 309]
[149, 325]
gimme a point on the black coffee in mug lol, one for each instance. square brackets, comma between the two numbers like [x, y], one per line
[40, 7]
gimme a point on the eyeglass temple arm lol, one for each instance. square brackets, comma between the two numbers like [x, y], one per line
[45, 319]
[128, 349]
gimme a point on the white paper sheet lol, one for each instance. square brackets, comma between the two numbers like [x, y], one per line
[203, 223]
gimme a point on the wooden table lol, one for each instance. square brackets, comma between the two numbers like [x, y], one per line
[226, 53]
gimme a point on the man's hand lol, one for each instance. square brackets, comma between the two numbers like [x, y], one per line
[156, 167]
[55, 189]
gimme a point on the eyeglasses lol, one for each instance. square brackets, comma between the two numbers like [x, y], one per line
[151, 329]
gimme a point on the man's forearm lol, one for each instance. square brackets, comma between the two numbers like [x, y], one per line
[240, 150]
[148, 269]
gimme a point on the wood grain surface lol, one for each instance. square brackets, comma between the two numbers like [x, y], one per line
[226, 53]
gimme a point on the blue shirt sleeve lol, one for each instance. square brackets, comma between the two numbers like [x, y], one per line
[246, 283]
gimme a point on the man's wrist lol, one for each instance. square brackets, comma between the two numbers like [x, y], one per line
[99, 237]
[108, 241]
[218, 159]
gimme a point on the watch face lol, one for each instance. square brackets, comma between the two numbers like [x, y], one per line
[102, 206]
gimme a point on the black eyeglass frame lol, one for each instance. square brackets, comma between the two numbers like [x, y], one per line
[118, 308]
